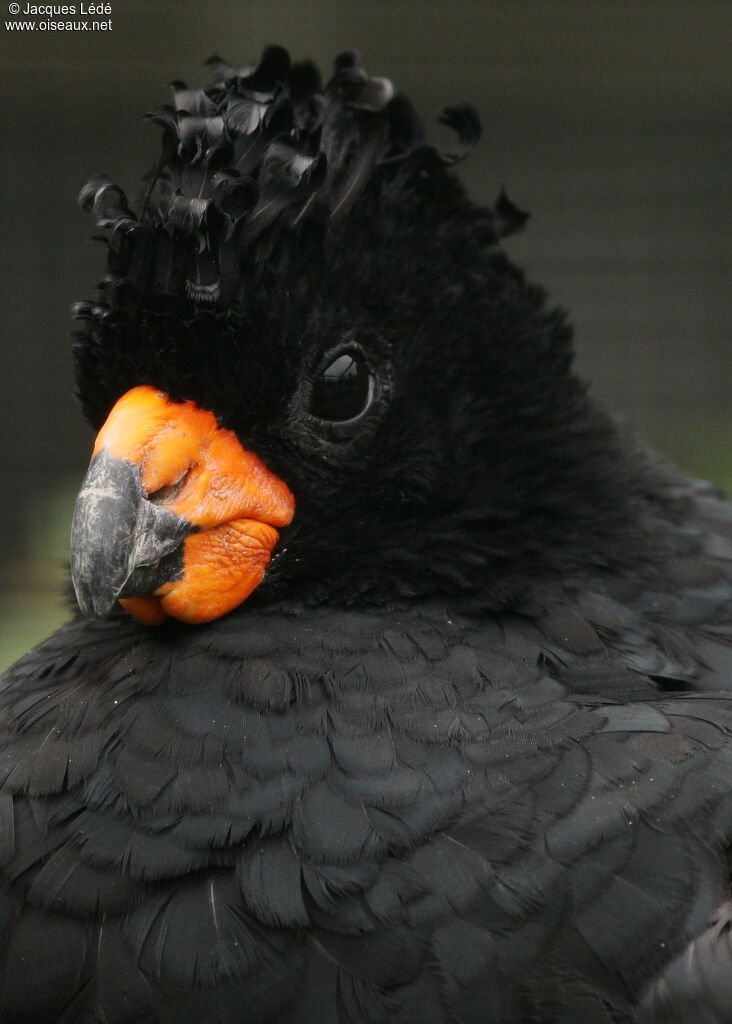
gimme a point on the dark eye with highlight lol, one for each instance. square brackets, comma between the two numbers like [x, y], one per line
[344, 389]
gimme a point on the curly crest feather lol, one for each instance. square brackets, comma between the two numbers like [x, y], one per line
[263, 147]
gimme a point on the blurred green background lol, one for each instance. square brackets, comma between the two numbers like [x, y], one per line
[609, 120]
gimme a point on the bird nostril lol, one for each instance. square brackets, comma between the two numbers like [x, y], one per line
[164, 495]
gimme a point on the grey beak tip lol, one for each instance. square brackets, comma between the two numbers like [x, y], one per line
[94, 603]
[117, 535]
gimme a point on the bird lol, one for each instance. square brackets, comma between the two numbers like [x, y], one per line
[398, 686]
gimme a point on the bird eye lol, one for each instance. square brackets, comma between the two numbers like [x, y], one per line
[344, 390]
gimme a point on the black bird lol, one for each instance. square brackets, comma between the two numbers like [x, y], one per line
[397, 706]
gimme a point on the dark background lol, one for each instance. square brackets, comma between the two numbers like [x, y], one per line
[610, 121]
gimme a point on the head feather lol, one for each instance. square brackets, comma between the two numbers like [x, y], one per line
[265, 147]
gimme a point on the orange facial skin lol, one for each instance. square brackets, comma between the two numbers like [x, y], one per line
[201, 472]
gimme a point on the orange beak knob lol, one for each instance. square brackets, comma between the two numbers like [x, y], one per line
[175, 517]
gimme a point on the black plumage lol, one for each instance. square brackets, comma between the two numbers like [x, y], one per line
[464, 755]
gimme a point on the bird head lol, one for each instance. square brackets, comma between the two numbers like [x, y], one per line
[313, 370]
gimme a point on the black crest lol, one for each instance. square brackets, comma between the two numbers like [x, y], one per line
[265, 151]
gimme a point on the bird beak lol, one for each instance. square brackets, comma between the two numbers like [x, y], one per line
[175, 517]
